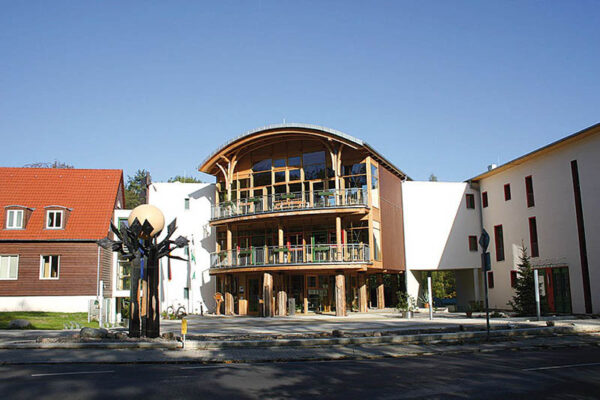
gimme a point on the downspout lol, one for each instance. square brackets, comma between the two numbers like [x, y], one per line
[98, 275]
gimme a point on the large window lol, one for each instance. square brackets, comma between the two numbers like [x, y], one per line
[314, 165]
[14, 219]
[54, 219]
[9, 267]
[499, 239]
[374, 186]
[50, 266]
[376, 241]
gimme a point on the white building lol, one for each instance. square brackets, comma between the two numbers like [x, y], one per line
[188, 283]
[441, 229]
[549, 200]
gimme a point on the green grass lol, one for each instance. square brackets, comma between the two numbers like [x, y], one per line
[46, 320]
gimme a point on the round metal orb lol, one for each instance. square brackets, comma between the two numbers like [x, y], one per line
[150, 213]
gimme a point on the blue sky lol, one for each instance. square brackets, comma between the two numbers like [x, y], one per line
[444, 87]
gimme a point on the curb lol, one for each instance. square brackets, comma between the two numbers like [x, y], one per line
[431, 338]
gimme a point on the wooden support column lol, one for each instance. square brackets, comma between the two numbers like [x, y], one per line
[362, 292]
[229, 306]
[338, 237]
[340, 294]
[305, 297]
[229, 245]
[281, 297]
[267, 295]
[280, 242]
[380, 292]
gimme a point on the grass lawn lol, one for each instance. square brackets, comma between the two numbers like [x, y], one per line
[46, 320]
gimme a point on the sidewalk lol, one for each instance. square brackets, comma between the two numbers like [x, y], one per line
[275, 354]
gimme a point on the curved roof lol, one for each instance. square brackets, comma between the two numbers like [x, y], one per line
[334, 132]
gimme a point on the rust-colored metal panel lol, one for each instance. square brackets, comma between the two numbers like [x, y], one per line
[392, 225]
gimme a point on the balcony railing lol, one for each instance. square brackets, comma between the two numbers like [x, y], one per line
[291, 201]
[275, 255]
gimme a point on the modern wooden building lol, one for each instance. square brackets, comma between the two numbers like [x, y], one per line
[306, 213]
[50, 221]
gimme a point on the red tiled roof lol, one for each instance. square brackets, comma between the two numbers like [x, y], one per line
[90, 193]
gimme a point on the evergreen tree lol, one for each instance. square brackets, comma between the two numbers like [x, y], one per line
[523, 302]
[135, 190]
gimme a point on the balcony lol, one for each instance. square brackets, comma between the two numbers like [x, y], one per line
[283, 202]
[291, 255]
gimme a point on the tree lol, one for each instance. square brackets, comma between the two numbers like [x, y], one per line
[55, 164]
[184, 179]
[523, 302]
[433, 178]
[135, 190]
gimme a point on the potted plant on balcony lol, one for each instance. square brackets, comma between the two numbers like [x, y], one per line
[326, 193]
[406, 304]
[288, 196]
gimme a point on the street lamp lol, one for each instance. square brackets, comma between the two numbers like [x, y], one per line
[138, 242]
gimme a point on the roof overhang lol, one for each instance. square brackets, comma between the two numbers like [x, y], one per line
[308, 129]
[591, 130]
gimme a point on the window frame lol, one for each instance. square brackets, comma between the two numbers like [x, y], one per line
[62, 219]
[499, 243]
[42, 267]
[507, 193]
[490, 279]
[529, 193]
[484, 199]
[186, 203]
[473, 246]
[22, 212]
[533, 234]
[17, 273]
[470, 201]
[513, 278]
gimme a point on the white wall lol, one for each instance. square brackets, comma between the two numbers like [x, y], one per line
[46, 303]
[437, 225]
[555, 216]
[193, 224]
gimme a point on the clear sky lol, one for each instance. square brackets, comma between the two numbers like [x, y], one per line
[444, 87]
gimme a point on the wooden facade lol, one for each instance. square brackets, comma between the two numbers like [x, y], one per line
[303, 213]
[78, 269]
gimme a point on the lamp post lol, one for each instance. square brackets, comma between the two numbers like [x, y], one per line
[138, 242]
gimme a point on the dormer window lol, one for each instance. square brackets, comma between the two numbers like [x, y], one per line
[16, 216]
[14, 219]
[54, 219]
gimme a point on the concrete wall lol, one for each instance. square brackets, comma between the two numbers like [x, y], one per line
[555, 216]
[437, 225]
[193, 224]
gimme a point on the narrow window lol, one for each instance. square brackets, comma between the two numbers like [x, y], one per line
[533, 237]
[49, 268]
[490, 276]
[499, 239]
[54, 219]
[186, 204]
[513, 279]
[14, 219]
[9, 266]
[484, 199]
[507, 192]
[470, 201]
[529, 191]
[472, 243]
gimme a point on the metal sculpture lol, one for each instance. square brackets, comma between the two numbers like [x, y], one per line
[138, 243]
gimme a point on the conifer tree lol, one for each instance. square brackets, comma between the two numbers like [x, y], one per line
[523, 302]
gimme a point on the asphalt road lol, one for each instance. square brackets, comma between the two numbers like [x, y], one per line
[549, 374]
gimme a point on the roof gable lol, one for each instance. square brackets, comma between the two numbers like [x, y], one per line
[89, 194]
